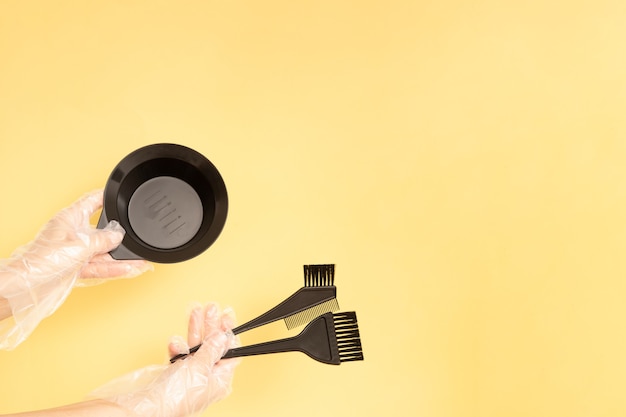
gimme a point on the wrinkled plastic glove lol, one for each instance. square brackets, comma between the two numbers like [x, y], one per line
[189, 385]
[39, 276]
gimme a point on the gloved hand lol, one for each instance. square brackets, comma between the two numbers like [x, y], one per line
[189, 385]
[39, 276]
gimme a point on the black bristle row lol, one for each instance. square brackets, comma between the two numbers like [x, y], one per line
[319, 275]
[348, 337]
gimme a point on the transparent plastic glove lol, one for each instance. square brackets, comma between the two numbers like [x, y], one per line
[39, 276]
[188, 386]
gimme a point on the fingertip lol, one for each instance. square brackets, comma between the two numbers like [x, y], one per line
[211, 318]
[177, 346]
[105, 240]
[146, 266]
[97, 193]
[115, 226]
[228, 319]
[211, 309]
[90, 202]
[194, 305]
[134, 268]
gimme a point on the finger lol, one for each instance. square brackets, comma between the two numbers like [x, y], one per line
[104, 266]
[233, 341]
[212, 320]
[177, 346]
[194, 330]
[214, 340]
[107, 239]
[82, 210]
[115, 269]
[227, 320]
[212, 349]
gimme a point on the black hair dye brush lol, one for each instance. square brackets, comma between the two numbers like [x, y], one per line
[317, 297]
[330, 338]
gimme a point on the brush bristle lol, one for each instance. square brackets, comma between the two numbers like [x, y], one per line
[348, 337]
[319, 275]
[311, 313]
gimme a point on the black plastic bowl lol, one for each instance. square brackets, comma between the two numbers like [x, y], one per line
[171, 201]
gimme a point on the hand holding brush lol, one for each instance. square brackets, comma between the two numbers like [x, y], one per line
[186, 387]
[328, 338]
[317, 297]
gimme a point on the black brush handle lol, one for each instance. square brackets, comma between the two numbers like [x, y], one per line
[303, 299]
[315, 341]
[277, 346]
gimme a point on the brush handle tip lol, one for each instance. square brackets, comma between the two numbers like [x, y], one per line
[183, 355]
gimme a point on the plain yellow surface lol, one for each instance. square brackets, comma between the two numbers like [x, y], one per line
[462, 163]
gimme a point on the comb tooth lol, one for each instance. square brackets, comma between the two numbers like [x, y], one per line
[311, 313]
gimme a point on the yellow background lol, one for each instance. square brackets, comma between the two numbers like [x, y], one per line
[462, 163]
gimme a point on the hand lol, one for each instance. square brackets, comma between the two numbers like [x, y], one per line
[189, 385]
[39, 276]
[68, 242]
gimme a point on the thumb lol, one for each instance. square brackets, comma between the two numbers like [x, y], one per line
[212, 349]
[107, 239]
